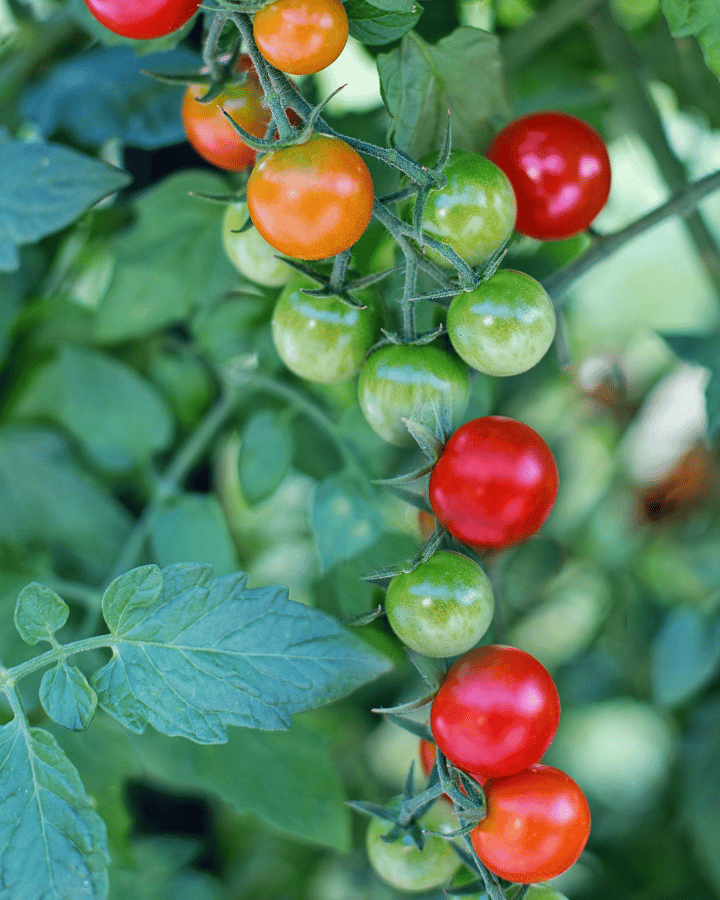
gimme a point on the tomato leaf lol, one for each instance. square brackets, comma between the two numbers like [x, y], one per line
[205, 653]
[702, 350]
[44, 188]
[381, 21]
[420, 83]
[700, 19]
[39, 613]
[54, 843]
[686, 655]
[266, 451]
[344, 522]
[67, 697]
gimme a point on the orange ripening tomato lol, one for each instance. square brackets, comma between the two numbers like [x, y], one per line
[301, 36]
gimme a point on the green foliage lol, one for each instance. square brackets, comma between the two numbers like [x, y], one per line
[381, 21]
[699, 18]
[344, 521]
[703, 350]
[39, 614]
[192, 528]
[265, 454]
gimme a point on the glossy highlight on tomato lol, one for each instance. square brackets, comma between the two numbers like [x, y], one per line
[560, 170]
[494, 484]
[311, 200]
[496, 712]
[143, 19]
[301, 36]
[537, 825]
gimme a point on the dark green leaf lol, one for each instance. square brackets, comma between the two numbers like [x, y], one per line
[702, 350]
[266, 450]
[421, 83]
[53, 842]
[343, 520]
[700, 19]
[209, 653]
[686, 655]
[44, 188]
[381, 21]
[39, 613]
[192, 528]
[67, 697]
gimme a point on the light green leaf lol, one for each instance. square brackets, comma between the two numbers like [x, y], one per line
[266, 451]
[344, 522]
[698, 18]
[192, 528]
[39, 613]
[381, 21]
[52, 842]
[67, 697]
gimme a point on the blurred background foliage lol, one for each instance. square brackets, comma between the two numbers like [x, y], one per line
[110, 350]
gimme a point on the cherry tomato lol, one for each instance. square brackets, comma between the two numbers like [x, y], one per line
[311, 200]
[441, 608]
[496, 711]
[428, 752]
[505, 326]
[537, 825]
[410, 381]
[560, 170]
[494, 484]
[143, 19]
[474, 213]
[402, 865]
[250, 253]
[211, 135]
[301, 36]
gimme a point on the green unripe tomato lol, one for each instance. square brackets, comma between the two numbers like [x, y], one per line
[320, 338]
[405, 867]
[250, 253]
[504, 326]
[544, 892]
[441, 608]
[474, 213]
[409, 381]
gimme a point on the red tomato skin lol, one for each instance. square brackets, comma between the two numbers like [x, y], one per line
[559, 169]
[143, 19]
[494, 484]
[496, 711]
[537, 825]
[301, 36]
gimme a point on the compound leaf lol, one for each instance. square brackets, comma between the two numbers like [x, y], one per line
[67, 697]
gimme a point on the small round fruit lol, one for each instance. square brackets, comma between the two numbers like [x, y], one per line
[505, 326]
[474, 213]
[143, 19]
[301, 36]
[311, 200]
[537, 825]
[443, 607]
[320, 338]
[560, 170]
[414, 382]
[496, 711]
[402, 865]
[494, 483]
[250, 253]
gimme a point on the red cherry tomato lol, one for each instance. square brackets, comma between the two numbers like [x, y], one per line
[143, 19]
[496, 711]
[537, 825]
[559, 169]
[301, 36]
[311, 200]
[494, 483]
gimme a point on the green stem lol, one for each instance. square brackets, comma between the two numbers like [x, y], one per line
[211, 45]
[409, 330]
[680, 204]
[492, 885]
[10, 677]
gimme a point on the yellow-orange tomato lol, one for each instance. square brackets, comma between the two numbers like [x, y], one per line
[301, 36]
[311, 200]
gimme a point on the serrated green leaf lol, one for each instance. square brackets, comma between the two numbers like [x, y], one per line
[698, 18]
[209, 653]
[118, 417]
[171, 261]
[343, 521]
[53, 843]
[44, 188]
[685, 655]
[67, 697]
[381, 21]
[420, 83]
[193, 528]
[702, 350]
[266, 450]
[39, 613]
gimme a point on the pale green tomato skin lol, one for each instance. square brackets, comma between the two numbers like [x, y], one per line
[404, 381]
[403, 865]
[505, 326]
[544, 892]
[474, 213]
[250, 253]
[320, 338]
[443, 607]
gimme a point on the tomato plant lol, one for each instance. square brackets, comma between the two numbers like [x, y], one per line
[403, 865]
[544, 892]
[249, 252]
[474, 213]
[494, 483]
[320, 338]
[311, 200]
[301, 36]
[441, 608]
[560, 170]
[427, 751]
[537, 825]
[143, 20]
[409, 381]
[496, 711]
[504, 326]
